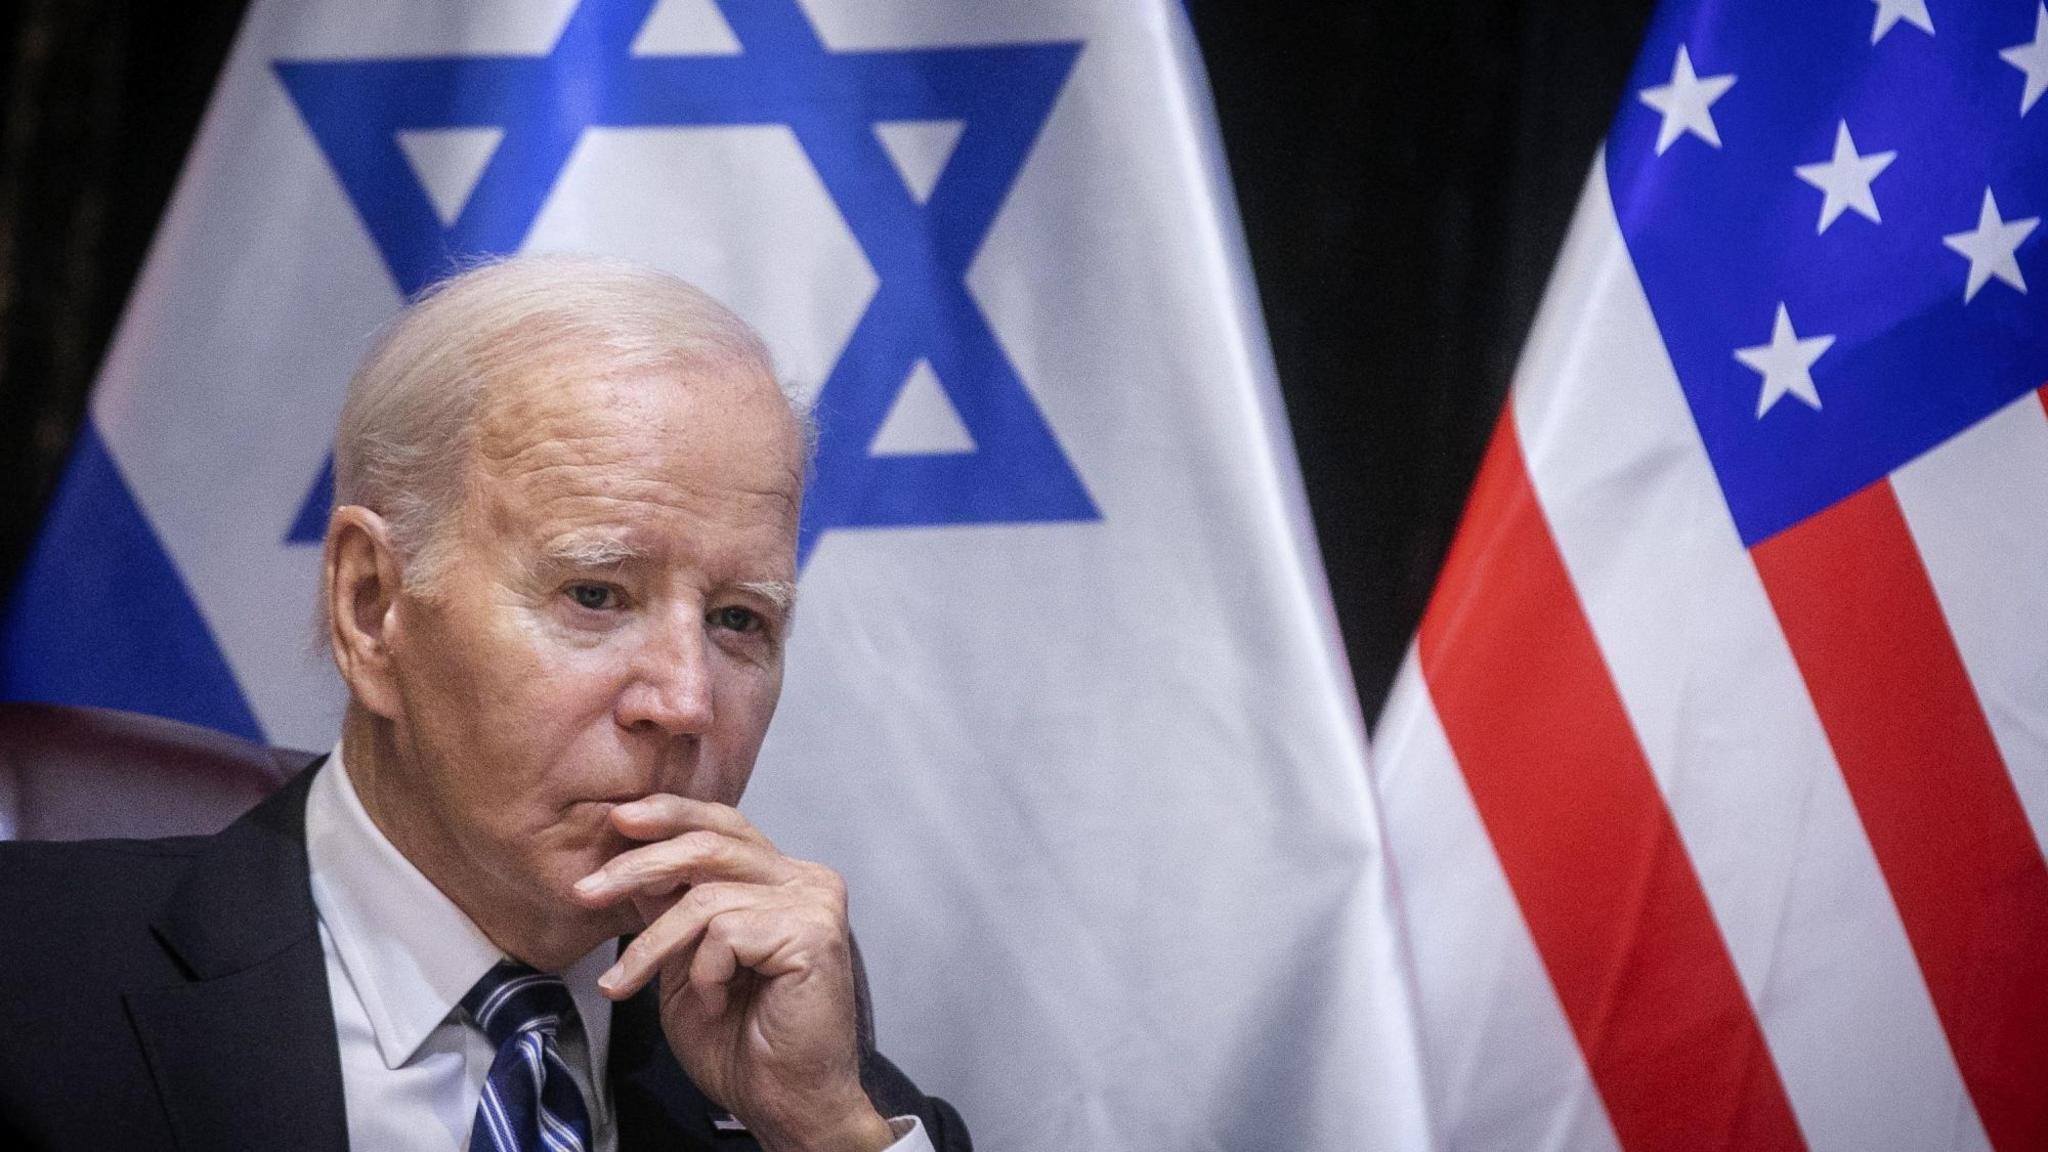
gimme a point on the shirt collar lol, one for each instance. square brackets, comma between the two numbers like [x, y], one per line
[409, 952]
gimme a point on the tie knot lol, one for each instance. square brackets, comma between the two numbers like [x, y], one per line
[513, 998]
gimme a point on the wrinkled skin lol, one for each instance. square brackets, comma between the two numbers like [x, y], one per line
[578, 695]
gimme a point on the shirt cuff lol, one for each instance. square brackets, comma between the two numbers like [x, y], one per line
[910, 1135]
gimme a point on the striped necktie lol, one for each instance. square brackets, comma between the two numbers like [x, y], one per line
[530, 1103]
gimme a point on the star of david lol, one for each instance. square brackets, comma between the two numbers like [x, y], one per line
[919, 249]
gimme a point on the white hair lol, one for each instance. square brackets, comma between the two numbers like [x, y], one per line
[408, 430]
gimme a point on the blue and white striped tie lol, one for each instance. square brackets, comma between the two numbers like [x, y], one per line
[530, 1103]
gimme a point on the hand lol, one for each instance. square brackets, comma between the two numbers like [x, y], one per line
[755, 969]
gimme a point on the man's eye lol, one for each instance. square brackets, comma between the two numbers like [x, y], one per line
[736, 618]
[596, 597]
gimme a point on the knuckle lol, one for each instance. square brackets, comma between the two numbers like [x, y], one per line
[698, 847]
[725, 814]
[702, 899]
[828, 882]
[719, 930]
[626, 865]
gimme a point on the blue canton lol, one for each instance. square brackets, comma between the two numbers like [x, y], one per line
[1880, 356]
[831, 101]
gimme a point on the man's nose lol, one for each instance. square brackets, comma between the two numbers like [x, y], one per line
[670, 688]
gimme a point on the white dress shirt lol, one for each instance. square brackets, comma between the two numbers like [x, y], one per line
[400, 958]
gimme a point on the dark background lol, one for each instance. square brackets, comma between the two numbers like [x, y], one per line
[1405, 170]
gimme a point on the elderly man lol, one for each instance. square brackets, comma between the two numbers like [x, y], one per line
[557, 583]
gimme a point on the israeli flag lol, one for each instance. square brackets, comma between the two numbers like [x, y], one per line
[1066, 705]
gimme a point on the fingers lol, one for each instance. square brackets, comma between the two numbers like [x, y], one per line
[696, 857]
[757, 990]
[744, 905]
[766, 941]
[697, 841]
[664, 814]
[769, 930]
[670, 933]
[714, 965]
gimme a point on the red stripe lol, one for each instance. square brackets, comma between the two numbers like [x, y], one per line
[1588, 845]
[1936, 801]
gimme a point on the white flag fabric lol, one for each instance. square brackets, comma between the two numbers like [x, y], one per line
[1065, 702]
[1717, 780]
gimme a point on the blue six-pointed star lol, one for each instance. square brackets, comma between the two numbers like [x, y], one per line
[831, 101]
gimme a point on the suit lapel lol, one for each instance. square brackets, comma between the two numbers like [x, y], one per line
[244, 1053]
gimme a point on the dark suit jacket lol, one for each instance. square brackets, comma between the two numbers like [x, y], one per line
[172, 994]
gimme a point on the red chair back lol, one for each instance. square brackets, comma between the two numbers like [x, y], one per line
[83, 773]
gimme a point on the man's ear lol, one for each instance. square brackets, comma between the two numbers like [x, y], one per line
[361, 579]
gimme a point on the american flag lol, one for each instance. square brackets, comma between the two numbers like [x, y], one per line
[1717, 779]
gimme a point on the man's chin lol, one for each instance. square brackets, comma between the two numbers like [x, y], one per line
[580, 841]
[557, 929]
[596, 924]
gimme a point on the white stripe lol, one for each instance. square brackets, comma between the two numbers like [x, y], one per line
[558, 1134]
[493, 1111]
[529, 1051]
[558, 1067]
[1723, 715]
[553, 1130]
[1502, 1066]
[1978, 508]
[568, 1136]
[494, 1123]
[10, 801]
[536, 1053]
[551, 1139]
[496, 999]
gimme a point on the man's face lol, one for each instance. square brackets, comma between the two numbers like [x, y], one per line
[608, 624]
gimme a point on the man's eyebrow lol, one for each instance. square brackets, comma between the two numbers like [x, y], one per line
[780, 593]
[588, 549]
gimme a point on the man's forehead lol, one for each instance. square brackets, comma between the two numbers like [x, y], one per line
[702, 426]
[578, 383]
